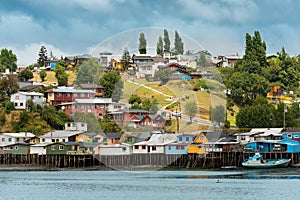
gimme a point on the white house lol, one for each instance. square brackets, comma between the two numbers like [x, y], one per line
[76, 126]
[20, 99]
[116, 149]
[258, 134]
[59, 136]
[13, 138]
[39, 149]
[156, 144]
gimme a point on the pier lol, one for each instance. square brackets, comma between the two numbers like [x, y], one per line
[202, 161]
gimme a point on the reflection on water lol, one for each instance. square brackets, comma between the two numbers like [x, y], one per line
[136, 185]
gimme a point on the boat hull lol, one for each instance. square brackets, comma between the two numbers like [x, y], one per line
[267, 164]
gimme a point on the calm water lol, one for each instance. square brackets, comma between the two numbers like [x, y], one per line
[115, 185]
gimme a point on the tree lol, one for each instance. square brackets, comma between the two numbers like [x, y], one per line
[178, 44]
[113, 84]
[8, 60]
[43, 58]
[109, 126]
[43, 75]
[56, 119]
[167, 43]
[25, 75]
[255, 55]
[160, 46]
[134, 99]
[126, 55]
[8, 86]
[163, 75]
[191, 109]
[90, 119]
[89, 72]
[61, 75]
[142, 44]
[218, 114]
[258, 115]
[245, 87]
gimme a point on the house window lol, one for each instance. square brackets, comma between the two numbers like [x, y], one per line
[58, 94]
[50, 94]
[21, 104]
[53, 147]
[143, 146]
[57, 140]
[43, 140]
[63, 140]
[17, 97]
[16, 147]
[3, 139]
[177, 147]
[53, 140]
[154, 148]
[75, 95]
[9, 139]
[136, 147]
[180, 139]
[243, 138]
[289, 136]
[16, 104]
[61, 147]
[296, 136]
[68, 94]
[82, 95]
[170, 147]
[187, 139]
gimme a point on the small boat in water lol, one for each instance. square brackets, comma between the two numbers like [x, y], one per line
[257, 161]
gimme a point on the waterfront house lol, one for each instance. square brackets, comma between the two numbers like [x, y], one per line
[135, 137]
[258, 134]
[60, 136]
[112, 138]
[181, 145]
[17, 148]
[156, 144]
[197, 145]
[286, 145]
[69, 148]
[20, 99]
[224, 144]
[116, 149]
[13, 138]
[291, 135]
[39, 149]
[62, 95]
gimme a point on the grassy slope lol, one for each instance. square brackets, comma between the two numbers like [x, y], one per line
[50, 78]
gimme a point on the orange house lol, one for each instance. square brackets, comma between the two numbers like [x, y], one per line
[198, 145]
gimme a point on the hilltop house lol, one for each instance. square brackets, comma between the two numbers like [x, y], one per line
[20, 99]
[147, 65]
[99, 90]
[67, 94]
[97, 106]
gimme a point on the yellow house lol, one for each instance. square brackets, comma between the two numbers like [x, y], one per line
[117, 65]
[84, 137]
[198, 145]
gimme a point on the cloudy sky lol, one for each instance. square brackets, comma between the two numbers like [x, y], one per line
[73, 27]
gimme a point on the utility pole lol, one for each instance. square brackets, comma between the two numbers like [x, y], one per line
[284, 111]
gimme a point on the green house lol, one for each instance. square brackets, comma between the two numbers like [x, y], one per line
[19, 148]
[69, 148]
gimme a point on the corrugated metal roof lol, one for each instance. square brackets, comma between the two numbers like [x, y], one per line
[60, 134]
[94, 101]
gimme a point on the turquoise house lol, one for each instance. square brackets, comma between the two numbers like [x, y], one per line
[291, 135]
[292, 146]
[181, 144]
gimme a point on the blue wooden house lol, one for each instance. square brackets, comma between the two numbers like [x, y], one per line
[291, 135]
[292, 146]
[181, 144]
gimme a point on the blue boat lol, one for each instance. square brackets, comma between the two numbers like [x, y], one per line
[258, 162]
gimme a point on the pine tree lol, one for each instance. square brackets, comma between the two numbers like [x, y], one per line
[166, 41]
[178, 44]
[142, 44]
[159, 46]
[43, 58]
